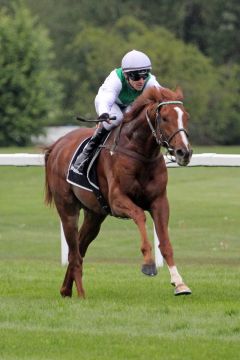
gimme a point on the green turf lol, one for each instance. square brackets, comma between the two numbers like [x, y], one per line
[126, 315]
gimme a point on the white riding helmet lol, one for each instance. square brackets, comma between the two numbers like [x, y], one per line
[135, 60]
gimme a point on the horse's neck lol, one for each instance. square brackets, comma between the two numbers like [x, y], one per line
[138, 137]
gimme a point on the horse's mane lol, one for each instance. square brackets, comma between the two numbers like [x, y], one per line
[152, 95]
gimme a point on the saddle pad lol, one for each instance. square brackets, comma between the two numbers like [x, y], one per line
[85, 181]
[88, 180]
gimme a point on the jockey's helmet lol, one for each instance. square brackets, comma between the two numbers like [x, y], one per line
[135, 60]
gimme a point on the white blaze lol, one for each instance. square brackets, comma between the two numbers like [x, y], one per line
[180, 125]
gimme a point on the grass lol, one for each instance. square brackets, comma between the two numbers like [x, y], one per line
[125, 315]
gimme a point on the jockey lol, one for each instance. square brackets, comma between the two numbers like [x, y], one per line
[115, 96]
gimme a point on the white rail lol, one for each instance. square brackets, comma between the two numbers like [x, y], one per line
[22, 159]
[207, 159]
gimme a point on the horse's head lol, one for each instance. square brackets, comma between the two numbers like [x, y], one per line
[168, 122]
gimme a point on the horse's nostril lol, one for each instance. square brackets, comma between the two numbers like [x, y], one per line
[180, 153]
[183, 153]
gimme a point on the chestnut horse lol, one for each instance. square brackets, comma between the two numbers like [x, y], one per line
[132, 177]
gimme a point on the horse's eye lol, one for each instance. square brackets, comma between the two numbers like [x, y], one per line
[164, 119]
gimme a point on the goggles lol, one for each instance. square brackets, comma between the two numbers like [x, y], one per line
[137, 75]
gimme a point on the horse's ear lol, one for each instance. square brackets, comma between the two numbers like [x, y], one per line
[179, 93]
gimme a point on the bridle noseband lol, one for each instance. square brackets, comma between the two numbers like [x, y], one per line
[157, 133]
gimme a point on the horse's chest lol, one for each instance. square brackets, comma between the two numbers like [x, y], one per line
[143, 187]
[137, 191]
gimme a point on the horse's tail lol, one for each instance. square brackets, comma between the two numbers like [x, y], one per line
[48, 193]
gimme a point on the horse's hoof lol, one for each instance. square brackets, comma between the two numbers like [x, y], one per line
[182, 289]
[65, 292]
[82, 296]
[149, 269]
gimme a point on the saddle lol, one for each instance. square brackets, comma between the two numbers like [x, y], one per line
[88, 180]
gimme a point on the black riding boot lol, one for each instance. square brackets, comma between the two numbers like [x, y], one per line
[82, 160]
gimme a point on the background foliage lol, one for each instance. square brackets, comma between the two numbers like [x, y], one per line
[29, 92]
[193, 44]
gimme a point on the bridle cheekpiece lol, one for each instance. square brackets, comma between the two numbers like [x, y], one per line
[156, 132]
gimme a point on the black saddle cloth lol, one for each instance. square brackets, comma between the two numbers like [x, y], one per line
[89, 179]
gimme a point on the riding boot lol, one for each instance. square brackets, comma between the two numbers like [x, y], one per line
[83, 159]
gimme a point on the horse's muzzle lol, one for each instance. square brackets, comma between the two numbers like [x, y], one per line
[183, 156]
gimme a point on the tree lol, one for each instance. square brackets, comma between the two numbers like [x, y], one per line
[29, 90]
[90, 39]
[223, 122]
[214, 27]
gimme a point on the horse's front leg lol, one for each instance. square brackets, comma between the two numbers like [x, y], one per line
[122, 206]
[160, 215]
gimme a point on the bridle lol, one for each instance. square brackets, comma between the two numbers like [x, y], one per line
[161, 139]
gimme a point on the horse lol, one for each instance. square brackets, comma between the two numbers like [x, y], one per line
[132, 177]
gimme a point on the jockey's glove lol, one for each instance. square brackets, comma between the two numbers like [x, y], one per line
[104, 117]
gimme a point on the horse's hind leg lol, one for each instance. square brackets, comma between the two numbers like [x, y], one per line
[74, 269]
[69, 213]
[89, 230]
[78, 243]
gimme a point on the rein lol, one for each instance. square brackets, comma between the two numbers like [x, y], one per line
[114, 148]
[130, 153]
